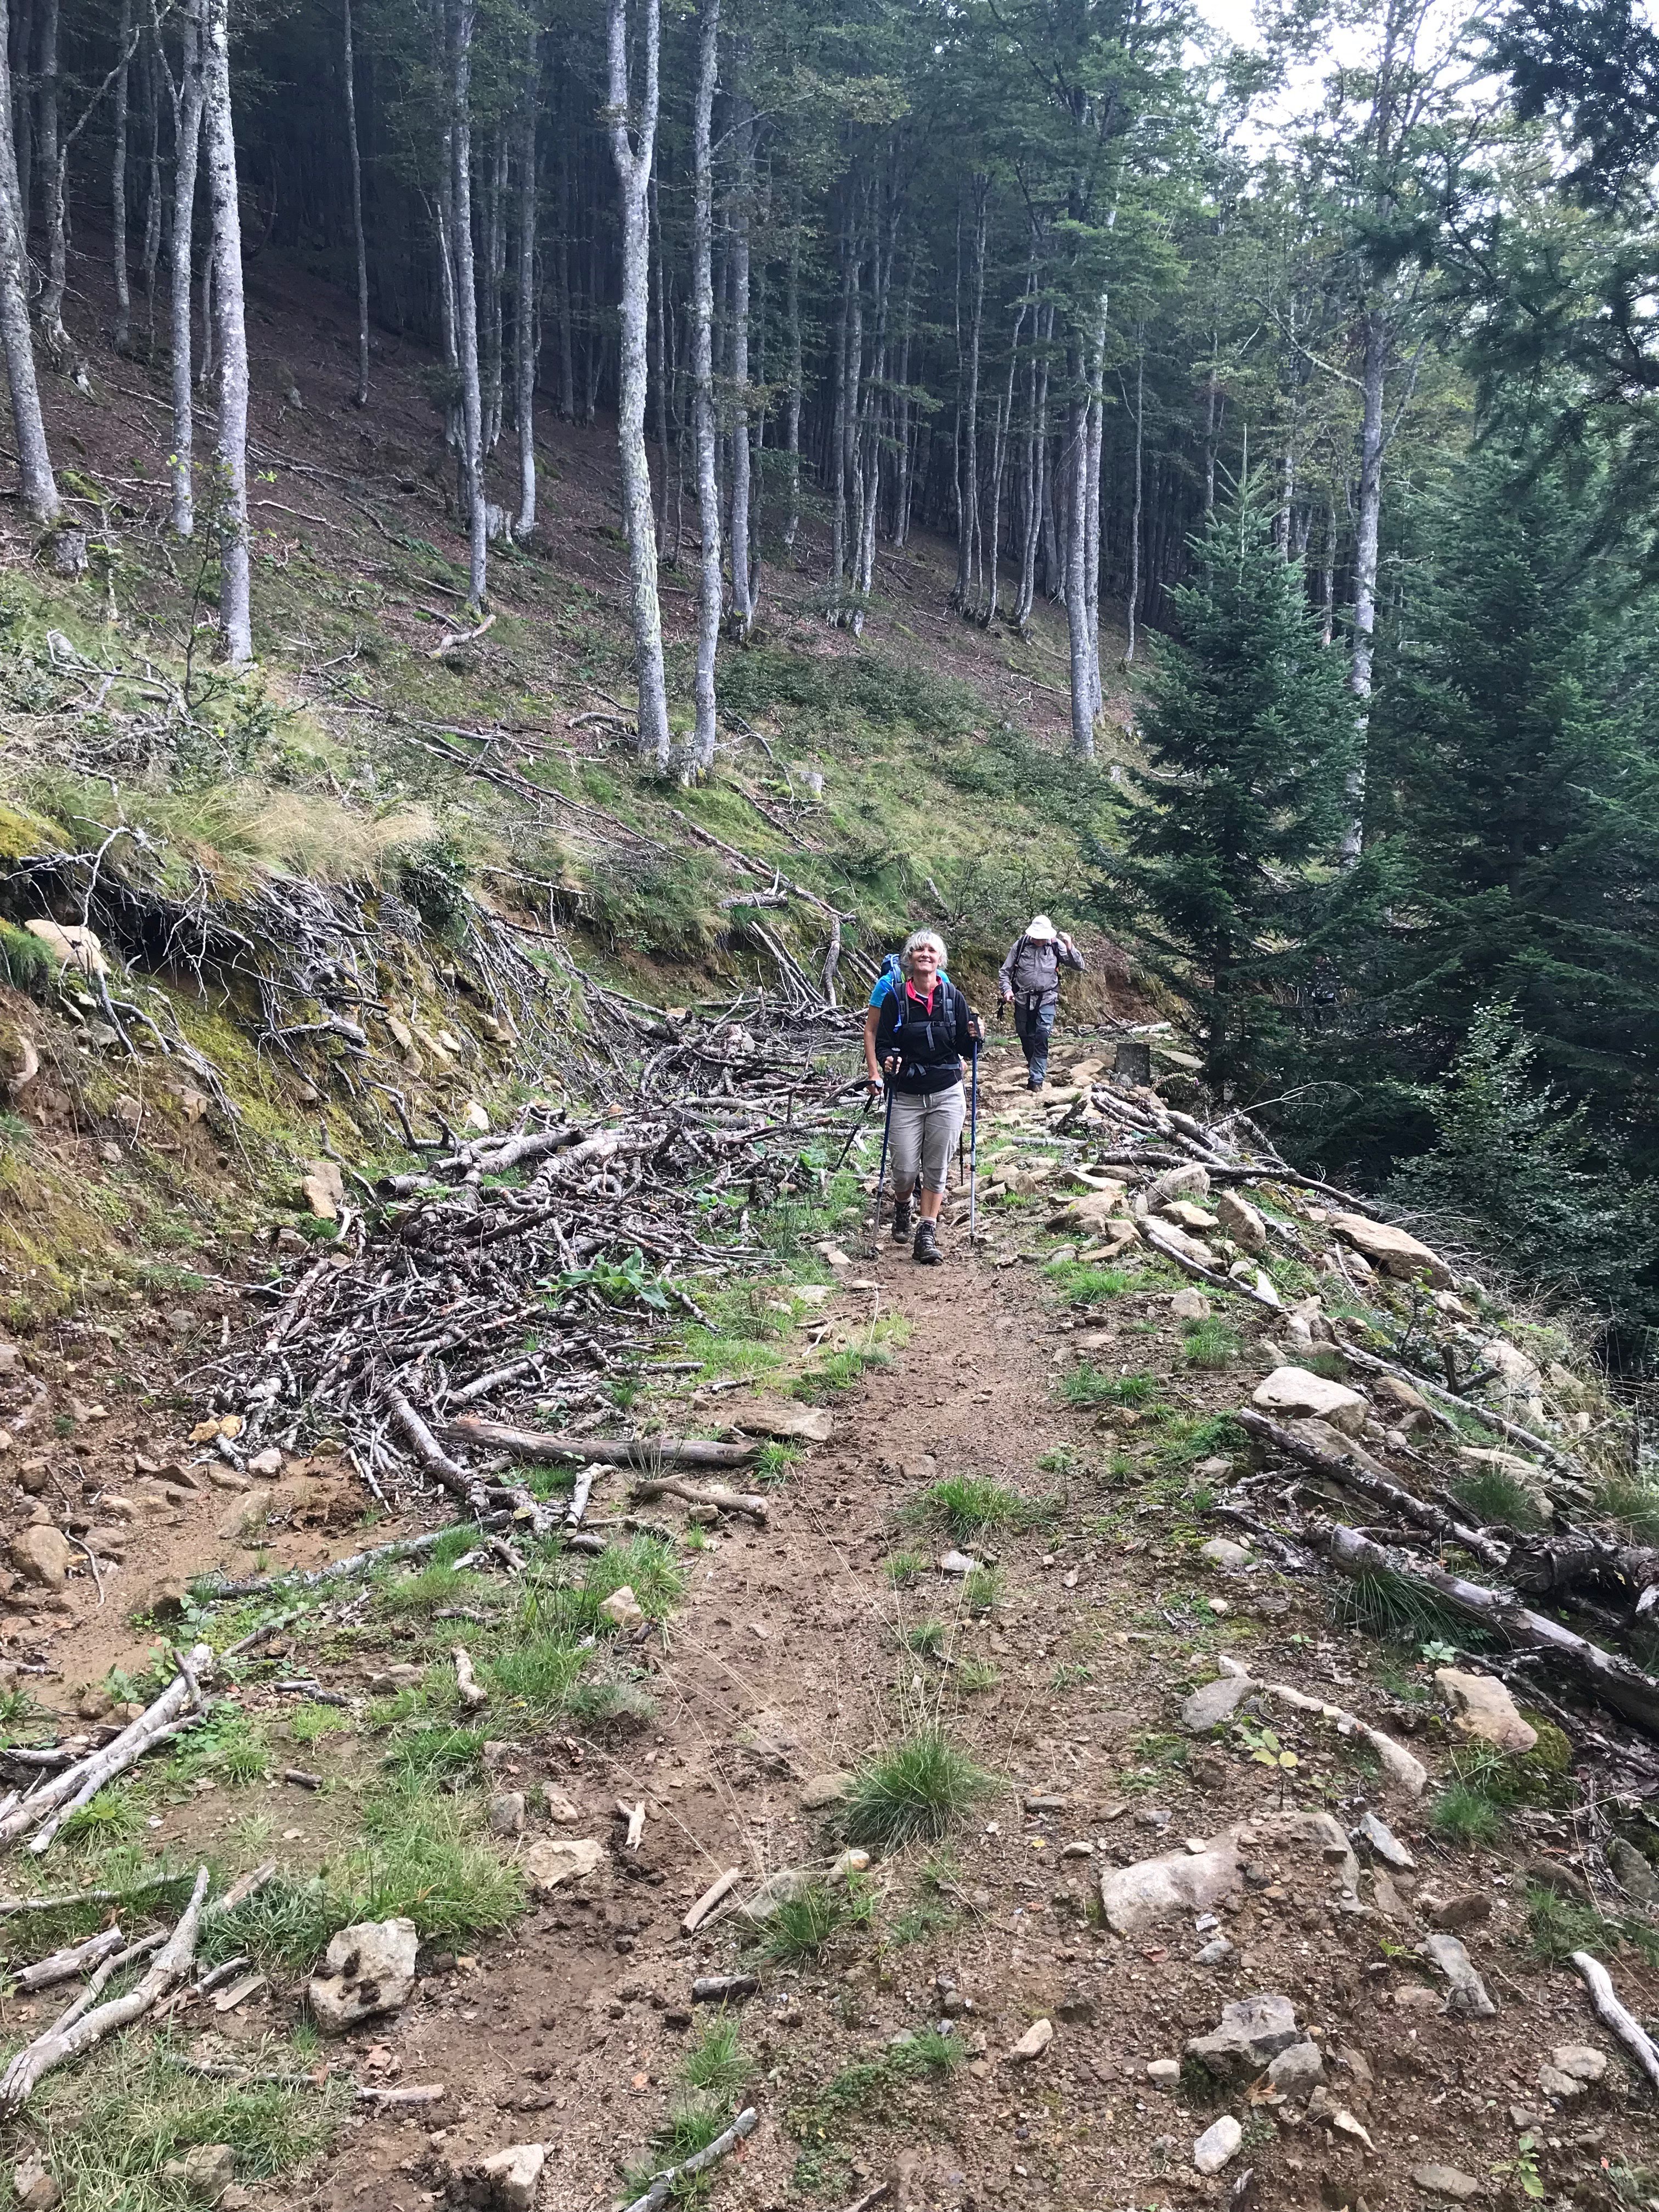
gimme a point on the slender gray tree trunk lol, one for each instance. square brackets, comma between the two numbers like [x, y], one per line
[968, 483]
[1327, 578]
[23, 99]
[117, 187]
[562, 280]
[1373, 371]
[998, 451]
[37, 482]
[187, 96]
[151, 78]
[526, 324]
[838, 425]
[702, 383]
[633, 148]
[230, 330]
[1133, 594]
[742, 577]
[1092, 525]
[204, 366]
[349, 72]
[1036, 466]
[792, 401]
[53, 158]
[463, 17]
[1077, 544]
[495, 227]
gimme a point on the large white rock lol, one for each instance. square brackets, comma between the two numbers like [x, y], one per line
[1241, 1222]
[1154, 1890]
[1250, 2035]
[1188, 1180]
[367, 1970]
[1296, 1394]
[1395, 1251]
[1218, 2144]
[1484, 1707]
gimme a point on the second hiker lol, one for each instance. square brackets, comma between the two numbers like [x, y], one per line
[1030, 979]
[923, 1040]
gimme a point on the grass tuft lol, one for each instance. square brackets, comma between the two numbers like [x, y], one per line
[969, 1504]
[801, 1927]
[1494, 1495]
[1210, 1344]
[903, 1568]
[1087, 1385]
[919, 1788]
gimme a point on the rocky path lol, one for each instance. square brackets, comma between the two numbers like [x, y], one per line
[1288, 2034]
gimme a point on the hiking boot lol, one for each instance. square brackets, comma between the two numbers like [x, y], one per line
[901, 1219]
[926, 1249]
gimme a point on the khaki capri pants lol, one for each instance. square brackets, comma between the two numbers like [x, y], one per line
[926, 1127]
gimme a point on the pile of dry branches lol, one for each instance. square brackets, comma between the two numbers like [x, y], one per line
[534, 1268]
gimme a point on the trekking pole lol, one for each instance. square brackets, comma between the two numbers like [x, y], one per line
[973, 1145]
[881, 1173]
[853, 1137]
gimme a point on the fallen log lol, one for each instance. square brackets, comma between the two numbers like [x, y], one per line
[1203, 1274]
[44, 1810]
[665, 2183]
[356, 1562]
[646, 1453]
[1503, 1427]
[79, 2029]
[1346, 1470]
[64, 1965]
[1540, 1565]
[1618, 1682]
[1614, 2016]
[703, 1493]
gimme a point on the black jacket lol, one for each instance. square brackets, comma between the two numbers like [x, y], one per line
[932, 1046]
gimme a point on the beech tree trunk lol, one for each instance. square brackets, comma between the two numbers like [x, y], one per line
[38, 484]
[349, 74]
[1077, 541]
[53, 158]
[1327, 578]
[463, 17]
[1133, 593]
[702, 383]
[562, 280]
[1037, 465]
[524, 327]
[633, 148]
[793, 402]
[118, 181]
[186, 143]
[742, 580]
[150, 79]
[968, 476]
[230, 332]
[1372, 372]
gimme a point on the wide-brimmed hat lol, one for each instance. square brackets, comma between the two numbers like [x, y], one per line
[1042, 929]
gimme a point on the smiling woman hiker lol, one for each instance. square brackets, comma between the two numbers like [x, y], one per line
[923, 1037]
[1030, 976]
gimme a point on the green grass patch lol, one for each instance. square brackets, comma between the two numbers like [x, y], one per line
[1210, 1345]
[903, 1568]
[981, 1588]
[1558, 1926]
[429, 1588]
[1184, 1439]
[968, 1504]
[1086, 1285]
[974, 1676]
[927, 1639]
[804, 1926]
[106, 2130]
[1633, 1500]
[918, 1788]
[309, 1723]
[1494, 1495]
[1087, 1385]
[1464, 1815]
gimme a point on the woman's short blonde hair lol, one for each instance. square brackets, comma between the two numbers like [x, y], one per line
[914, 942]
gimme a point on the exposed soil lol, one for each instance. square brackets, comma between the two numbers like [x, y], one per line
[786, 1662]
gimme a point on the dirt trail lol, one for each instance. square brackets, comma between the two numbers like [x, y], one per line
[787, 1662]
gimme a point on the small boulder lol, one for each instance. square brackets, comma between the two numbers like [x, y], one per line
[560, 1809]
[1296, 1393]
[1634, 1875]
[506, 1812]
[1217, 2145]
[1393, 1250]
[1297, 2069]
[1141, 1896]
[1034, 2041]
[825, 1790]
[1222, 1551]
[506, 2181]
[1485, 1709]
[1198, 1220]
[368, 1969]
[1577, 2066]
[623, 1610]
[1250, 2035]
[204, 2173]
[42, 1554]
[322, 1189]
[1190, 1305]
[1214, 1702]
[1188, 1180]
[1241, 1221]
[247, 1517]
[804, 1424]
[1467, 1997]
[72, 944]
[1446, 2181]
[34, 2186]
[1384, 1842]
[267, 1464]
[1464, 1908]
[1163, 2072]
[551, 1863]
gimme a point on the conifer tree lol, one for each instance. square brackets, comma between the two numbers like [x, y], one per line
[1249, 735]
